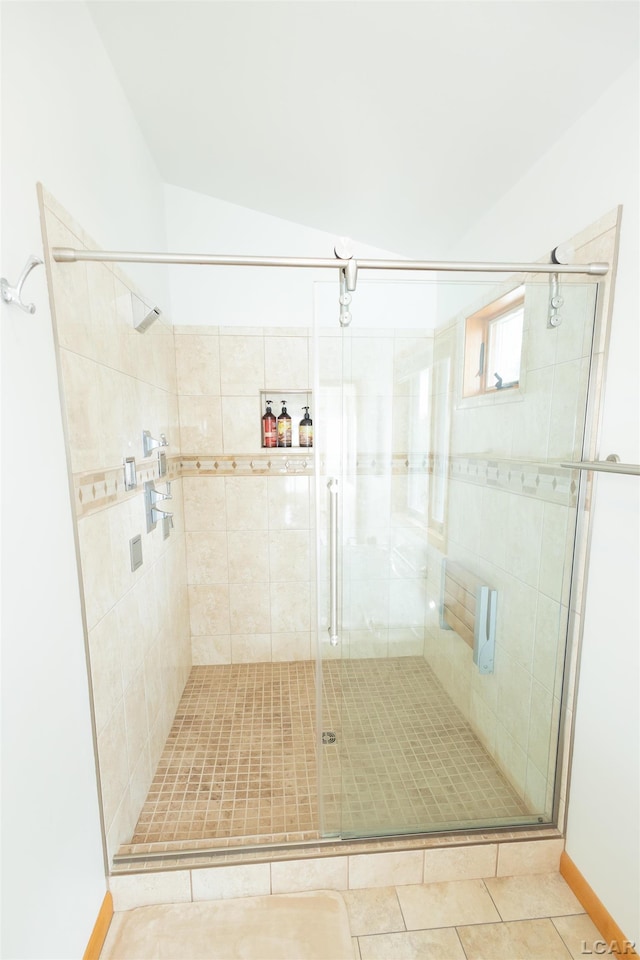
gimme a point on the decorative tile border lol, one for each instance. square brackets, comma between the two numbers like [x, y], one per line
[270, 463]
[549, 482]
[99, 489]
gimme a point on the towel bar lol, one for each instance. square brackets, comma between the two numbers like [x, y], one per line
[610, 465]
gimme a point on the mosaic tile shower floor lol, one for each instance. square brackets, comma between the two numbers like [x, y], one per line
[240, 759]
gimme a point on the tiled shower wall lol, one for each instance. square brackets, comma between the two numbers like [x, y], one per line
[511, 512]
[234, 582]
[249, 517]
[250, 562]
[116, 382]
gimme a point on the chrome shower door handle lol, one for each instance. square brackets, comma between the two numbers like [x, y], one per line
[332, 486]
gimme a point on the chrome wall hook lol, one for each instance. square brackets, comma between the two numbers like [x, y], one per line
[14, 294]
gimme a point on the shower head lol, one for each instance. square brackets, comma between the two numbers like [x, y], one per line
[147, 319]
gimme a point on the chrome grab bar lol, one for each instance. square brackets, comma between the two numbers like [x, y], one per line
[610, 465]
[332, 486]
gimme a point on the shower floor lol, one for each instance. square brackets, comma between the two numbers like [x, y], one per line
[240, 759]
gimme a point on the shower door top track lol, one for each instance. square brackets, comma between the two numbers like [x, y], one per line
[70, 255]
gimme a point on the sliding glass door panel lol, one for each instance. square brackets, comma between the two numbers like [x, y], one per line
[446, 532]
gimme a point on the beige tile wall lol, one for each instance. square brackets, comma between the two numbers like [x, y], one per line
[249, 574]
[116, 382]
[250, 566]
[220, 372]
[250, 549]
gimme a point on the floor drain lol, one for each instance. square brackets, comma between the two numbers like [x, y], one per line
[328, 736]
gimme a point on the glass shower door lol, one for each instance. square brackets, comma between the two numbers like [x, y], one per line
[453, 526]
[373, 415]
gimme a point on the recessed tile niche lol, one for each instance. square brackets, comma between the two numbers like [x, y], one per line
[295, 402]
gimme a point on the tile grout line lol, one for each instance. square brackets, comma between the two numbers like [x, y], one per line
[404, 919]
[492, 899]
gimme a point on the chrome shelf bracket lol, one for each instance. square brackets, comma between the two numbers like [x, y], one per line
[484, 639]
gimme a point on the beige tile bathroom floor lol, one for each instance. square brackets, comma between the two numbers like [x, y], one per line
[240, 759]
[535, 917]
[502, 918]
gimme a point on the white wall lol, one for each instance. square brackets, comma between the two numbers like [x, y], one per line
[589, 171]
[66, 123]
[250, 296]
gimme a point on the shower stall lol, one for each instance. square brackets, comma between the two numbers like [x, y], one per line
[362, 639]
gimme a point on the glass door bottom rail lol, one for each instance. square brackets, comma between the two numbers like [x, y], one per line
[240, 763]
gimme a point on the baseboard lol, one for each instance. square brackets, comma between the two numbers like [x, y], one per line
[97, 938]
[619, 945]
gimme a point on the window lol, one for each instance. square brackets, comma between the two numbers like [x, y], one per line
[493, 345]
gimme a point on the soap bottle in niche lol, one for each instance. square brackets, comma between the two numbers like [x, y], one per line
[284, 427]
[269, 430]
[306, 429]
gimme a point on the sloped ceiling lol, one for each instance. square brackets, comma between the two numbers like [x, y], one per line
[397, 123]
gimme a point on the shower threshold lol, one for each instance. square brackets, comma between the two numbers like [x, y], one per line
[182, 857]
[237, 780]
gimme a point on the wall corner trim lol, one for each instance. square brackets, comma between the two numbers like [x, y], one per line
[611, 932]
[100, 929]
